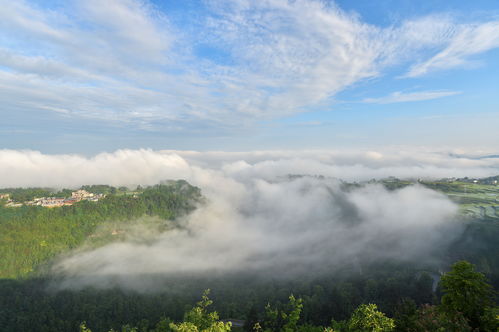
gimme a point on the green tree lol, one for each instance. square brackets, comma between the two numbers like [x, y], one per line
[283, 320]
[466, 291]
[198, 319]
[163, 325]
[430, 318]
[405, 314]
[84, 328]
[292, 317]
[367, 318]
[251, 319]
[490, 319]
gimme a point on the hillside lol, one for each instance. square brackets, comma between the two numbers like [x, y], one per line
[32, 235]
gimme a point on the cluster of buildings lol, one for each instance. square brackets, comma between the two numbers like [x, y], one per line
[76, 196]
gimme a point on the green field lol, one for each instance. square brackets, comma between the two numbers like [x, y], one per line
[475, 200]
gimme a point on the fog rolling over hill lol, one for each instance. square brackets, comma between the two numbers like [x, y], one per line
[256, 217]
[280, 229]
[318, 165]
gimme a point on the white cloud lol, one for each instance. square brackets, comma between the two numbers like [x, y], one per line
[401, 97]
[256, 218]
[18, 16]
[298, 53]
[44, 67]
[147, 167]
[299, 226]
[127, 61]
[468, 40]
[128, 31]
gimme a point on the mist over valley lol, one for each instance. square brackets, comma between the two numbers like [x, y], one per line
[249, 166]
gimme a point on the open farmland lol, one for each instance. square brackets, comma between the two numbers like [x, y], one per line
[475, 200]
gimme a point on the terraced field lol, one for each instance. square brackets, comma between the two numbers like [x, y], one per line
[475, 200]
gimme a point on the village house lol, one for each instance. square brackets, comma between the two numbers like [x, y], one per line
[81, 194]
[76, 196]
[52, 202]
[70, 201]
[12, 204]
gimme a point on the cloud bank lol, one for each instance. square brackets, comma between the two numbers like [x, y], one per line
[204, 169]
[282, 229]
[256, 217]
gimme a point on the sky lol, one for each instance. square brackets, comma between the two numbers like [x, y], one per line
[91, 76]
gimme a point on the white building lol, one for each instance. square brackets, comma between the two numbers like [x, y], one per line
[81, 194]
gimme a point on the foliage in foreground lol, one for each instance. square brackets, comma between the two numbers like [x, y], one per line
[368, 318]
[466, 292]
[467, 305]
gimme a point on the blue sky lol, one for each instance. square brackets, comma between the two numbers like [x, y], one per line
[89, 76]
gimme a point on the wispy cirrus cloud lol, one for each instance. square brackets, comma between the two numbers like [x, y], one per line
[401, 97]
[467, 40]
[126, 61]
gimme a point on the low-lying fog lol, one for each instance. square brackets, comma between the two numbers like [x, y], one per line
[256, 218]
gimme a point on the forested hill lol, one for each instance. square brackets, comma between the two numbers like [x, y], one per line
[32, 235]
[408, 293]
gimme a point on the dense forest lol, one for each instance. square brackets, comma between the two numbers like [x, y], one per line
[466, 304]
[235, 296]
[31, 235]
[379, 296]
